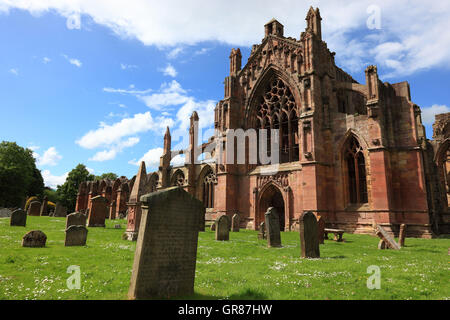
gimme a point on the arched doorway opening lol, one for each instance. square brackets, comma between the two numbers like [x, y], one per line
[272, 197]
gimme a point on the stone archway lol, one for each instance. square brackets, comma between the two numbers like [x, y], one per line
[272, 197]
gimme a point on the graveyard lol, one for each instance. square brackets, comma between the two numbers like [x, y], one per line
[244, 267]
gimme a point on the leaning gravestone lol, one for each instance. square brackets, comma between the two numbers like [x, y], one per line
[75, 219]
[321, 229]
[166, 248]
[273, 228]
[60, 210]
[402, 235]
[44, 207]
[76, 236]
[34, 208]
[98, 212]
[235, 223]
[384, 236]
[222, 231]
[262, 231]
[309, 235]
[34, 239]
[18, 218]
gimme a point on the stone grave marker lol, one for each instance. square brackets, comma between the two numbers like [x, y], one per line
[262, 231]
[321, 229]
[98, 212]
[18, 218]
[272, 221]
[166, 248]
[34, 239]
[44, 207]
[222, 231]
[402, 235]
[213, 226]
[5, 213]
[76, 236]
[34, 209]
[75, 219]
[389, 241]
[309, 235]
[235, 223]
[60, 210]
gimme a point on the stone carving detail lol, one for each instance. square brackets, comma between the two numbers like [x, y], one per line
[281, 180]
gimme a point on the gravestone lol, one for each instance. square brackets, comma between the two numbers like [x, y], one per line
[18, 218]
[235, 223]
[44, 207]
[222, 231]
[75, 219]
[228, 221]
[213, 226]
[34, 239]
[76, 236]
[34, 209]
[402, 235]
[5, 213]
[383, 235]
[262, 231]
[166, 249]
[60, 210]
[321, 229]
[273, 228]
[309, 235]
[98, 212]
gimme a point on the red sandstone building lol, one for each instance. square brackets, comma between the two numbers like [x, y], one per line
[355, 154]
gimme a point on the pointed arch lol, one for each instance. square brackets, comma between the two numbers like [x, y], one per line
[178, 178]
[354, 163]
[152, 182]
[206, 183]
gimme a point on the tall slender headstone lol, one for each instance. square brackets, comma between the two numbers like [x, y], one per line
[34, 209]
[222, 231]
[235, 223]
[273, 228]
[402, 235]
[309, 235]
[18, 218]
[134, 204]
[44, 207]
[98, 212]
[321, 229]
[166, 248]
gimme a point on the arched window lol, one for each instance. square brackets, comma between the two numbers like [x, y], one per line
[208, 189]
[178, 179]
[356, 170]
[277, 110]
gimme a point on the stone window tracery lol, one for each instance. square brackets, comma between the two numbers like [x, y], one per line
[277, 110]
[356, 169]
[208, 189]
[178, 179]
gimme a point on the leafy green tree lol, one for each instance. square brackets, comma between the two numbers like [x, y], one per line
[67, 193]
[19, 176]
[109, 175]
[51, 194]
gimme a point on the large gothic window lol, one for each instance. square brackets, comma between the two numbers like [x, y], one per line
[178, 179]
[356, 170]
[208, 189]
[277, 110]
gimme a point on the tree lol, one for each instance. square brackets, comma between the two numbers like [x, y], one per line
[18, 175]
[67, 193]
[109, 175]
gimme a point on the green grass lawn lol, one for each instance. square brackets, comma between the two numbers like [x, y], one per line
[242, 268]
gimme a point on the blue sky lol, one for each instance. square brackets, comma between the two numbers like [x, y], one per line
[97, 82]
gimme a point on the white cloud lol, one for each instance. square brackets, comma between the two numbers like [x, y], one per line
[124, 66]
[418, 27]
[73, 61]
[73, 21]
[111, 153]
[50, 157]
[151, 158]
[53, 181]
[90, 170]
[46, 60]
[169, 70]
[14, 71]
[429, 113]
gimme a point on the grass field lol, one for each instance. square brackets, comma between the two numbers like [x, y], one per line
[242, 268]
